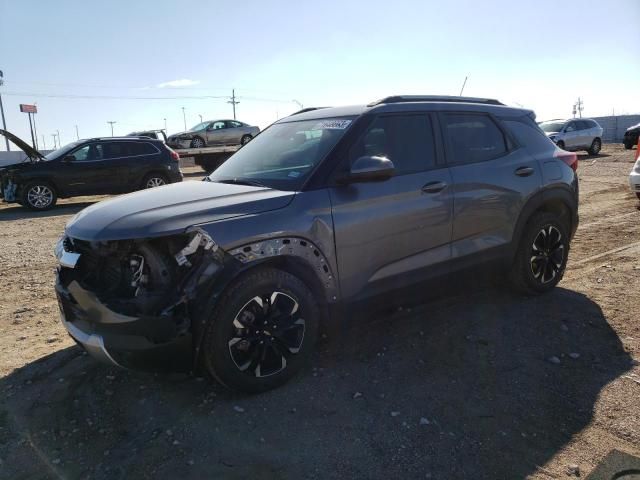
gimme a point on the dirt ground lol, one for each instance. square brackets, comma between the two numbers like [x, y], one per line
[479, 383]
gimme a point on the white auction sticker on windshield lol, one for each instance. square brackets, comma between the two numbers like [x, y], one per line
[332, 125]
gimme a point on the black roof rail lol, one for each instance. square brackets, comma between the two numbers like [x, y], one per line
[434, 98]
[308, 109]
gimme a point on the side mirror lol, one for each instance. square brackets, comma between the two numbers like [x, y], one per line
[69, 158]
[369, 169]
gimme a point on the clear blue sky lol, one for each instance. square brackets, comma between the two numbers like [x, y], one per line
[541, 55]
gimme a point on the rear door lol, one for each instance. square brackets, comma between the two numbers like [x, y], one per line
[235, 130]
[492, 179]
[388, 233]
[116, 176]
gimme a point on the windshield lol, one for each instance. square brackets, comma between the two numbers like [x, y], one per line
[200, 126]
[61, 151]
[283, 155]
[550, 127]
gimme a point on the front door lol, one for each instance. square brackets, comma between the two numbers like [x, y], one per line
[388, 233]
[216, 133]
[84, 170]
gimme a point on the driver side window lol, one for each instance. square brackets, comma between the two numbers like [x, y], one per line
[571, 127]
[216, 126]
[81, 154]
[88, 153]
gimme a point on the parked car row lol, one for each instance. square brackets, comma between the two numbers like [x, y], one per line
[87, 167]
[233, 275]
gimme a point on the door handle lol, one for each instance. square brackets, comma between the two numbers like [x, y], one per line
[434, 187]
[524, 171]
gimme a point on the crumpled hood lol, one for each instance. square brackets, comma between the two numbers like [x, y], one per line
[177, 135]
[171, 209]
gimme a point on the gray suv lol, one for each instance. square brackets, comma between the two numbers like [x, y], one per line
[236, 273]
[577, 134]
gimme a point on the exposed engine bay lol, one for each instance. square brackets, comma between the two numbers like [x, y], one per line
[150, 277]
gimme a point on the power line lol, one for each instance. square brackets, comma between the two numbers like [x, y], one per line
[114, 97]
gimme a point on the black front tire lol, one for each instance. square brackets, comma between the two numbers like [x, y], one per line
[198, 142]
[38, 196]
[596, 146]
[245, 139]
[538, 276]
[232, 319]
[628, 146]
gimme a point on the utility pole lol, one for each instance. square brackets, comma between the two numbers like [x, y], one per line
[233, 102]
[111, 124]
[4, 124]
[463, 84]
[59, 142]
[580, 106]
[165, 125]
[54, 141]
[77, 135]
[184, 119]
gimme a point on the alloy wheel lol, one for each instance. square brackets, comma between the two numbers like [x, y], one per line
[40, 196]
[597, 145]
[155, 182]
[547, 254]
[197, 143]
[267, 331]
[245, 140]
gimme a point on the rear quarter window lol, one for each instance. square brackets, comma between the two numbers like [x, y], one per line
[529, 136]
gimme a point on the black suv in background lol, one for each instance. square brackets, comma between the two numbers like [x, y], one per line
[87, 167]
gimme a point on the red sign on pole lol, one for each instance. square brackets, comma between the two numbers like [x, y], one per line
[24, 108]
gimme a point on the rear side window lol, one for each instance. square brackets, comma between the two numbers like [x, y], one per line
[117, 149]
[529, 136]
[143, 149]
[406, 140]
[472, 138]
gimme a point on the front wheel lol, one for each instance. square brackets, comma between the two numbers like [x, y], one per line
[560, 145]
[197, 143]
[38, 196]
[541, 258]
[596, 146]
[262, 331]
[245, 139]
[628, 146]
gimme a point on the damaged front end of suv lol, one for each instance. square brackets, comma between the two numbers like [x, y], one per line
[133, 303]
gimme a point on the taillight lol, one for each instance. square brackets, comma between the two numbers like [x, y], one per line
[174, 154]
[570, 158]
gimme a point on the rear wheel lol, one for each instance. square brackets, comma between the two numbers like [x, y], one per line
[628, 146]
[541, 258]
[262, 331]
[38, 196]
[245, 139]
[596, 146]
[154, 180]
[197, 142]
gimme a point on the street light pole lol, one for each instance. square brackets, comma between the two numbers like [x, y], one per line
[4, 124]
[111, 123]
[54, 140]
[184, 119]
[59, 142]
[77, 135]
[200, 118]
[165, 125]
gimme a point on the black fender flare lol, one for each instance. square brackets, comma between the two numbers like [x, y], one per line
[547, 199]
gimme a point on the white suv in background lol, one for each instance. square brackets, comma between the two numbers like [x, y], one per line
[575, 134]
[634, 178]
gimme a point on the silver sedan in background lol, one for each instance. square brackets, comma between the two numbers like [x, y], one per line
[212, 133]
